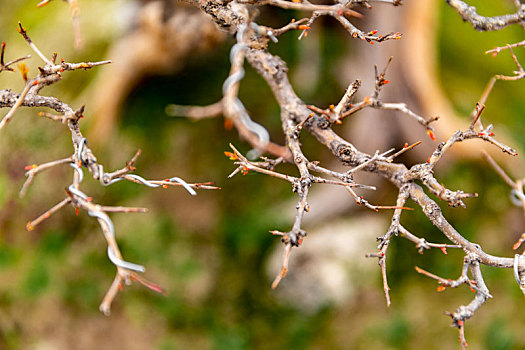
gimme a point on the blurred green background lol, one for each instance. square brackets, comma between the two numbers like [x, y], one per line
[213, 252]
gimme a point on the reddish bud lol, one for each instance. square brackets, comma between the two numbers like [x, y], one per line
[29, 167]
[431, 135]
[481, 134]
[516, 245]
[405, 145]
[304, 27]
[491, 134]
[76, 211]
[444, 250]
[164, 186]
[441, 288]
[386, 82]
[373, 32]
[428, 160]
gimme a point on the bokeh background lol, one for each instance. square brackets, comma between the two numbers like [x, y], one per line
[213, 252]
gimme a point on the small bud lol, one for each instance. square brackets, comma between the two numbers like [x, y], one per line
[431, 135]
[441, 288]
[23, 70]
[29, 167]
[29, 227]
[405, 145]
[76, 211]
[228, 124]
[231, 155]
[444, 250]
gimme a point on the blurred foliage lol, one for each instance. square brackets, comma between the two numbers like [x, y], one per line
[210, 252]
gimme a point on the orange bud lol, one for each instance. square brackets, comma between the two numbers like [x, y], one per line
[228, 124]
[231, 155]
[304, 27]
[29, 227]
[29, 167]
[386, 82]
[164, 186]
[76, 211]
[405, 145]
[441, 288]
[444, 250]
[373, 32]
[431, 135]
[516, 245]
